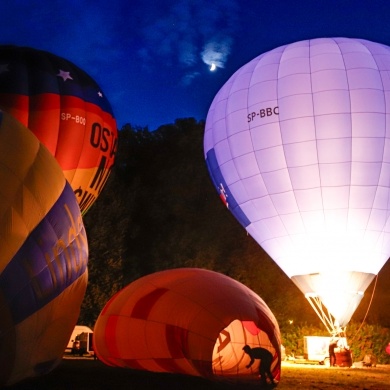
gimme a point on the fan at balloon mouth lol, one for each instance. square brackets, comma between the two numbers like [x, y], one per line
[296, 144]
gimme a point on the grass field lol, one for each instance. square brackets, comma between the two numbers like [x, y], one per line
[83, 374]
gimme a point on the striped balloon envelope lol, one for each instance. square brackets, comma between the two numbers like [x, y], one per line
[68, 112]
[43, 256]
[188, 321]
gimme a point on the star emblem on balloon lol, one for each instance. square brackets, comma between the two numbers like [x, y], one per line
[64, 75]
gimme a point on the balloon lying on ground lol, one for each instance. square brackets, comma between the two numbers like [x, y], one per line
[187, 321]
[297, 146]
[66, 109]
[43, 256]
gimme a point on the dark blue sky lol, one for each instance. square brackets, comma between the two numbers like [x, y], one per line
[152, 57]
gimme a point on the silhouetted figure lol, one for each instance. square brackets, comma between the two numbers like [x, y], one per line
[332, 355]
[265, 357]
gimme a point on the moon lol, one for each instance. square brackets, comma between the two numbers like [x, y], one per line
[213, 67]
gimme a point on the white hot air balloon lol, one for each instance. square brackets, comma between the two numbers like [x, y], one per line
[297, 144]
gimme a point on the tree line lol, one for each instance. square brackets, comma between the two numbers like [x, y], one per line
[159, 210]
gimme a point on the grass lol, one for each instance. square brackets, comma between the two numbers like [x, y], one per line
[304, 377]
[83, 374]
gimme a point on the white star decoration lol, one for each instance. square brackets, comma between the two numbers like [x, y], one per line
[100, 94]
[65, 75]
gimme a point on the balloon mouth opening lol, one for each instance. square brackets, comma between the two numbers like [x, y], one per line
[229, 360]
[334, 296]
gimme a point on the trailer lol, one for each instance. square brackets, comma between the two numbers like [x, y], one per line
[316, 348]
[80, 341]
[316, 351]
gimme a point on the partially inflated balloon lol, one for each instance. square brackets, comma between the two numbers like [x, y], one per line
[68, 112]
[297, 145]
[188, 321]
[43, 256]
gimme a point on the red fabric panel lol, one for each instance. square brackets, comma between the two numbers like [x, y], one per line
[170, 365]
[251, 327]
[63, 123]
[177, 340]
[266, 325]
[111, 336]
[143, 307]
[276, 371]
[204, 367]
[132, 363]
[16, 105]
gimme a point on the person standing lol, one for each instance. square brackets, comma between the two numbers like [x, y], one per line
[332, 355]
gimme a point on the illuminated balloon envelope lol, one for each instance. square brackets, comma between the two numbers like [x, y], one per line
[297, 145]
[188, 321]
[68, 112]
[43, 256]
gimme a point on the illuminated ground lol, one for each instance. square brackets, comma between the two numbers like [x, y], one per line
[305, 377]
[82, 374]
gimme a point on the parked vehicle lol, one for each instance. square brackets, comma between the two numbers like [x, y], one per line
[80, 341]
[316, 350]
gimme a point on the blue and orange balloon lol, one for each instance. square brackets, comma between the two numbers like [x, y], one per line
[68, 112]
[43, 256]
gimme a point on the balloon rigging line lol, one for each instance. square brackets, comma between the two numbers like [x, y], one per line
[368, 308]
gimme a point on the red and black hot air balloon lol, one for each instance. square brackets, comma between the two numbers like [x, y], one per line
[68, 112]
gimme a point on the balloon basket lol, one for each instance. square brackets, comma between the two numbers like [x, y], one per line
[344, 358]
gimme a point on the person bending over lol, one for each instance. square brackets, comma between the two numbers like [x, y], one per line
[265, 358]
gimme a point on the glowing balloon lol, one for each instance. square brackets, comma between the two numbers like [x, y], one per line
[66, 110]
[297, 145]
[43, 256]
[188, 321]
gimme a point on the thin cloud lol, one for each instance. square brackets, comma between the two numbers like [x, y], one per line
[189, 77]
[217, 52]
[189, 34]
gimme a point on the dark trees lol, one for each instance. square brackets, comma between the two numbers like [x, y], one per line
[159, 210]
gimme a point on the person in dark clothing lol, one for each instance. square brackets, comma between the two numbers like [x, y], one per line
[332, 356]
[265, 357]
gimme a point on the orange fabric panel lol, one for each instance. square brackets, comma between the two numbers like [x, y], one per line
[28, 170]
[43, 336]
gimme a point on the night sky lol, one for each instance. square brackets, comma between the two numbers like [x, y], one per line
[152, 58]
